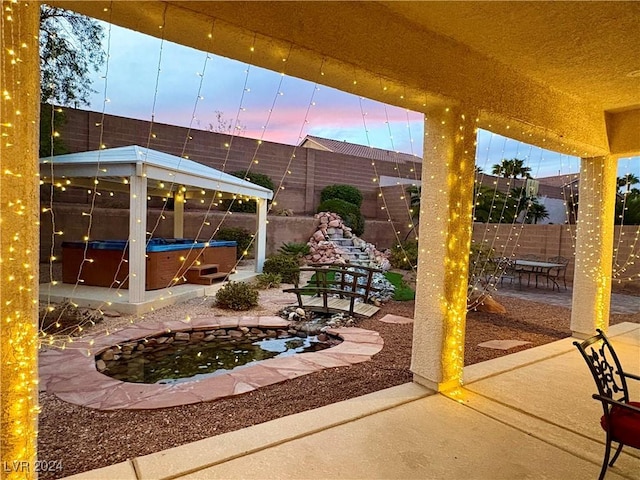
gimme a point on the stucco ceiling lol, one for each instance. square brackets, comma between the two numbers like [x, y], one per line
[555, 74]
[586, 49]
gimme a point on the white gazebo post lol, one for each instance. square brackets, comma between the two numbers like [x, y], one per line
[594, 246]
[260, 241]
[178, 214]
[444, 240]
[137, 235]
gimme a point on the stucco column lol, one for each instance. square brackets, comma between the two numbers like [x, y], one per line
[178, 215]
[19, 237]
[444, 240]
[260, 242]
[137, 236]
[594, 246]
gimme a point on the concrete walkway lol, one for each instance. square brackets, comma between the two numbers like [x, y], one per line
[527, 415]
[620, 304]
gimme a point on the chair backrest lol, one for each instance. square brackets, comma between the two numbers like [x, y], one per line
[605, 366]
[559, 259]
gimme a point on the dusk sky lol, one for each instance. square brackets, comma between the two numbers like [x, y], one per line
[271, 106]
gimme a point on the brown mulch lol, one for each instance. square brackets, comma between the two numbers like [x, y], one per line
[84, 439]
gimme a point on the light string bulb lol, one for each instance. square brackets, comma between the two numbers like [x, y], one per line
[60, 330]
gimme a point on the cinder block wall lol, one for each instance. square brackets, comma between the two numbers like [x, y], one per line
[113, 224]
[302, 172]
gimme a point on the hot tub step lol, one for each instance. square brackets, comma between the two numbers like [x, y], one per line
[204, 274]
[209, 278]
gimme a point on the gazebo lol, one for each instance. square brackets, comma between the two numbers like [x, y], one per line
[143, 173]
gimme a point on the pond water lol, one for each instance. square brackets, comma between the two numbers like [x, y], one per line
[185, 362]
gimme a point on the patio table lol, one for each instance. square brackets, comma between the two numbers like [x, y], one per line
[538, 268]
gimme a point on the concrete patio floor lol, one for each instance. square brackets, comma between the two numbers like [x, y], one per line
[526, 415]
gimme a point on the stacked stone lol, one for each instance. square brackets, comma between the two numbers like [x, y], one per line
[378, 259]
[322, 250]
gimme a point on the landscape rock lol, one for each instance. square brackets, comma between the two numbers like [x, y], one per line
[107, 355]
[182, 336]
[196, 337]
[487, 304]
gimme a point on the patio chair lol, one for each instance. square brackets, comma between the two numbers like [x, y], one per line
[528, 272]
[506, 269]
[559, 273]
[621, 419]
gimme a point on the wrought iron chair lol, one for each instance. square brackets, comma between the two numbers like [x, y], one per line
[621, 419]
[559, 273]
[506, 270]
[528, 271]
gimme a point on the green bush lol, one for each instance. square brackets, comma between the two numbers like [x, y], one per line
[284, 265]
[239, 235]
[349, 212]
[268, 280]
[403, 292]
[406, 256]
[295, 249]
[248, 206]
[347, 193]
[237, 296]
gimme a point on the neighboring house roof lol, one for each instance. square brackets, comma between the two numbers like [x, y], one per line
[566, 180]
[356, 150]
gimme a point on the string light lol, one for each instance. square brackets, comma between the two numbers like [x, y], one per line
[18, 249]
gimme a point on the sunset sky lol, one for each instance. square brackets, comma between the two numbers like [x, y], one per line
[270, 106]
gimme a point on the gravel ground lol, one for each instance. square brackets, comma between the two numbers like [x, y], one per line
[84, 439]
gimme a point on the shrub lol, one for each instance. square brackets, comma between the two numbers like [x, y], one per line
[349, 212]
[248, 206]
[268, 280]
[347, 193]
[237, 296]
[406, 256]
[284, 265]
[239, 235]
[66, 318]
[295, 249]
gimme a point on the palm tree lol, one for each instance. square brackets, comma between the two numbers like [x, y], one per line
[626, 182]
[536, 211]
[513, 168]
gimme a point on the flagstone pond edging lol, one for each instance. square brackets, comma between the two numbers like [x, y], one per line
[71, 374]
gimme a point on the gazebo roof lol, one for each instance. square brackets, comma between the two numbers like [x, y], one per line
[112, 164]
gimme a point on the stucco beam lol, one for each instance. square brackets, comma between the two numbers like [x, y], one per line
[413, 66]
[623, 129]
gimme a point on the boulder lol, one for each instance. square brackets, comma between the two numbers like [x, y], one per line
[318, 236]
[487, 304]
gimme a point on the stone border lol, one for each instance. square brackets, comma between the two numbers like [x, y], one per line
[71, 374]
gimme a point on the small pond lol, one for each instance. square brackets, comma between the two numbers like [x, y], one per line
[186, 357]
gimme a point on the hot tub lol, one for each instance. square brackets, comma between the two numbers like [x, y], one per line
[166, 259]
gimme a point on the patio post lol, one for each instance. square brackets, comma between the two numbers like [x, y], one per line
[594, 246]
[178, 215]
[261, 233]
[137, 235]
[444, 240]
[19, 234]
